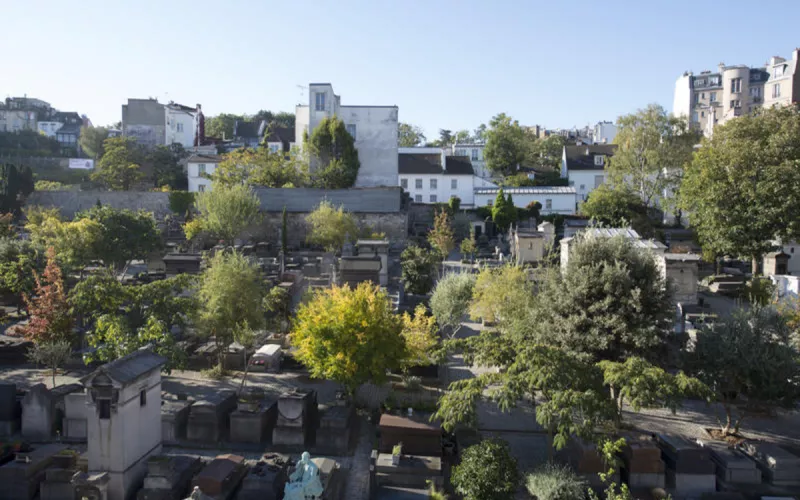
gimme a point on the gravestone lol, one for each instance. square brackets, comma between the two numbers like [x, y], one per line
[733, 466]
[266, 479]
[297, 418]
[643, 467]
[690, 470]
[418, 435]
[168, 478]
[412, 471]
[9, 419]
[254, 418]
[21, 478]
[208, 417]
[268, 357]
[587, 462]
[779, 466]
[174, 417]
[333, 434]
[220, 478]
[38, 414]
[74, 422]
[57, 484]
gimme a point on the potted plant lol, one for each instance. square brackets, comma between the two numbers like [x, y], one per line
[397, 450]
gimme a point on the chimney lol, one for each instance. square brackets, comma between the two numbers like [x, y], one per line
[444, 159]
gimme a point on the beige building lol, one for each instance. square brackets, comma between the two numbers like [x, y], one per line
[530, 246]
[713, 97]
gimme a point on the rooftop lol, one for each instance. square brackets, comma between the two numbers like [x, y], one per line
[204, 159]
[582, 157]
[529, 190]
[130, 367]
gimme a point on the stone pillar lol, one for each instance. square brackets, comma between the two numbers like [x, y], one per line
[38, 414]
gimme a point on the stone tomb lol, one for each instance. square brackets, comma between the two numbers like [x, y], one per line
[297, 418]
[220, 478]
[254, 417]
[73, 425]
[57, 484]
[418, 435]
[9, 416]
[331, 477]
[21, 478]
[413, 471]
[266, 479]
[267, 358]
[174, 417]
[208, 418]
[40, 410]
[642, 464]
[779, 466]
[168, 478]
[587, 462]
[333, 434]
[91, 486]
[733, 466]
[357, 269]
[690, 470]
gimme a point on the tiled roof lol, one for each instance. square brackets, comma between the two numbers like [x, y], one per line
[529, 190]
[458, 165]
[204, 159]
[248, 129]
[281, 134]
[130, 367]
[419, 163]
[582, 157]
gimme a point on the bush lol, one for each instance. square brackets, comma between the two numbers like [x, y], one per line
[487, 472]
[555, 482]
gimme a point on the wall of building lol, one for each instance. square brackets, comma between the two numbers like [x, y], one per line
[144, 120]
[376, 142]
[195, 179]
[49, 128]
[443, 190]
[179, 127]
[587, 179]
[559, 203]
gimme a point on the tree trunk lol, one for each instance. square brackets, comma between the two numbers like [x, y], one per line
[54, 378]
[728, 420]
[244, 377]
[754, 266]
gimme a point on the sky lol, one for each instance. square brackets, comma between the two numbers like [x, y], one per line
[445, 64]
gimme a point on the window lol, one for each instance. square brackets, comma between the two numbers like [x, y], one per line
[142, 397]
[696, 98]
[599, 160]
[418, 183]
[778, 71]
[755, 91]
[404, 183]
[736, 85]
[453, 183]
[474, 155]
[695, 118]
[702, 114]
[714, 80]
[776, 90]
[351, 129]
[703, 95]
[418, 198]
[201, 169]
[598, 180]
[104, 408]
[583, 187]
[320, 101]
[201, 188]
[433, 198]
[180, 127]
[548, 204]
[712, 96]
[274, 148]
[434, 183]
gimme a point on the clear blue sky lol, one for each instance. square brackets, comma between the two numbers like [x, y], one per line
[446, 64]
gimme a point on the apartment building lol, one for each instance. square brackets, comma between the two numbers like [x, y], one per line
[374, 129]
[584, 166]
[714, 97]
[22, 113]
[475, 154]
[154, 124]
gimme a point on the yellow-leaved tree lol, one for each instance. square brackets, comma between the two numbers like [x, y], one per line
[349, 335]
[419, 332]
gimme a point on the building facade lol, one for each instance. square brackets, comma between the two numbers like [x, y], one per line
[374, 129]
[154, 124]
[180, 124]
[430, 175]
[584, 166]
[554, 199]
[198, 169]
[714, 97]
[475, 154]
[22, 113]
[604, 133]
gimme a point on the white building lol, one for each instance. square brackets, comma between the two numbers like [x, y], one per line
[554, 199]
[475, 154]
[604, 133]
[584, 166]
[430, 175]
[374, 129]
[180, 124]
[199, 168]
[48, 128]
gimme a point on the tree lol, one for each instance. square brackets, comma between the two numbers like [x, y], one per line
[618, 206]
[51, 354]
[750, 363]
[231, 292]
[15, 185]
[450, 300]
[278, 305]
[454, 204]
[462, 137]
[441, 235]
[181, 202]
[261, 167]
[418, 269]
[545, 153]
[409, 135]
[125, 235]
[349, 335]
[505, 145]
[533, 209]
[330, 226]
[741, 189]
[225, 212]
[420, 335]
[499, 293]
[653, 147]
[445, 137]
[221, 126]
[504, 213]
[92, 141]
[469, 245]
[487, 472]
[164, 162]
[120, 168]
[74, 242]
[556, 482]
[19, 260]
[245, 337]
[334, 156]
[480, 134]
[48, 308]
[610, 302]
[113, 338]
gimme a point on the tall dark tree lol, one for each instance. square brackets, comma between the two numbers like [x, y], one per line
[334, 155]
[126, 235]
[505, 145]
[165, 164]
[15, 185]
[92, 139]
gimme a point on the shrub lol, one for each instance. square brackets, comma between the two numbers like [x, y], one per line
[487, 472]
[555, 482]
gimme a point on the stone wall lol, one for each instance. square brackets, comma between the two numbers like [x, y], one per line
[395, 225]
[70, 202]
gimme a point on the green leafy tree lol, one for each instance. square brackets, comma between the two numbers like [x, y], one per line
[750, 362]
[74, 242]
[92, 141]
[51, 354]
[19, 261]
[462, 137]
[225, 212]
[610, 302]
[418, 269]
[278, 306]
[652, 148]
[120, 168]
[505, 145]
[230, 293]
[221, 126]
[125, 235]
[330, 226]
[451, 300]
[480, 134]
[48, 310]
[441, 236]
[503, 211]
[112, 337]
[420, 335]
[245, 337]
[49, 186]
[349, 335]
[15, 185]
[487, 472]
[454, 204]
[469, 245]
[544, 154]
[742, 189]
[334, 156]
[556, 482]
[409, 135]
[181, 202]
[262, 167]
[500, 293]
[164, 161]
[618, 206]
